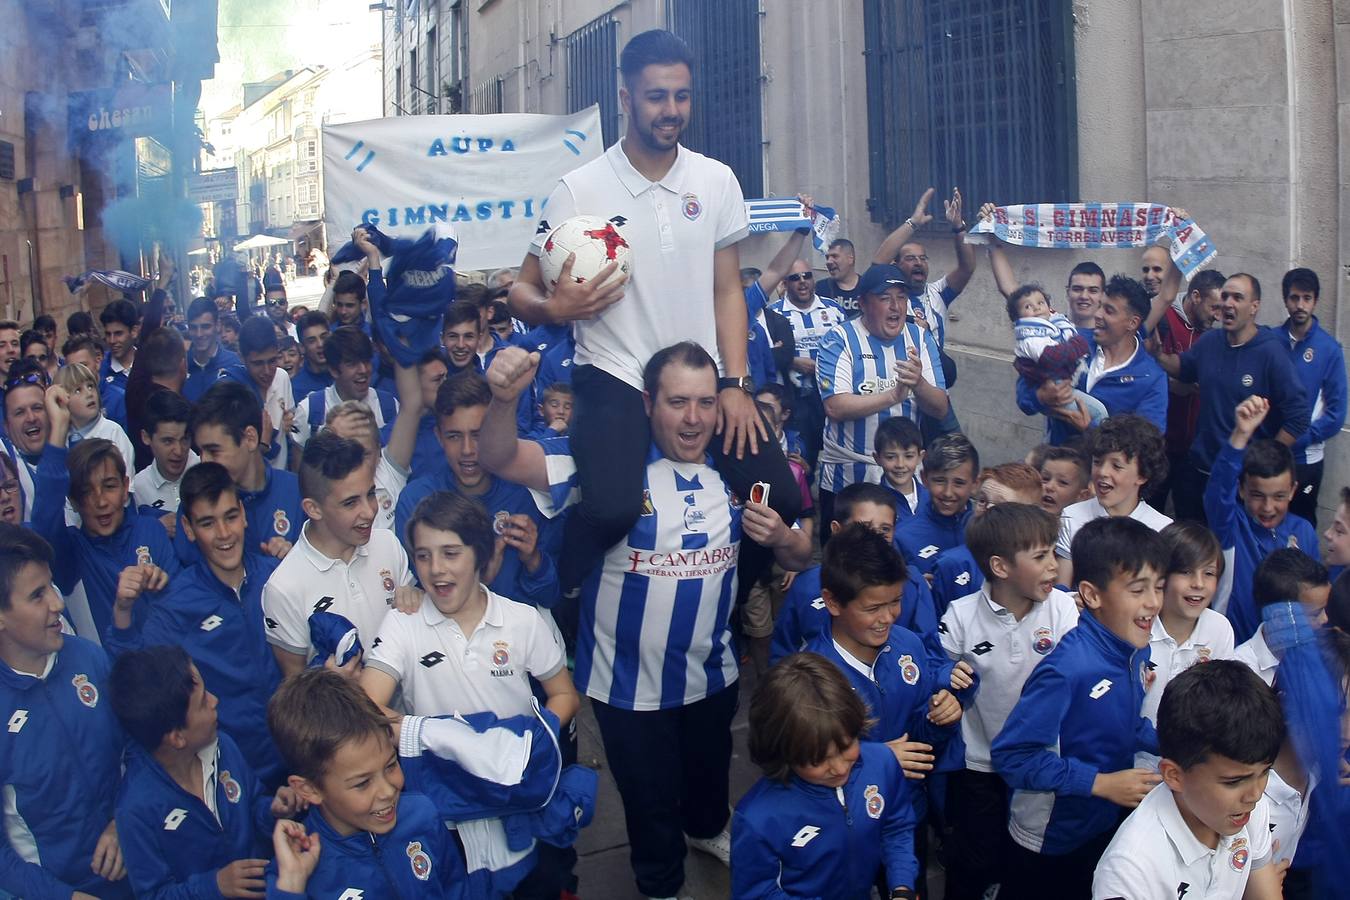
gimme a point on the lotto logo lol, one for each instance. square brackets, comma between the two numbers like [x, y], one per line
[928, 551]
[352, 894]
[982, 648]
[270, 622]
[323, 604]
[174, 819]
[808, 834]
[1100, 688]
[818, 603]
[432, 658]
[963, 579]
[211, 623]
[1182, 889]
[17, 721]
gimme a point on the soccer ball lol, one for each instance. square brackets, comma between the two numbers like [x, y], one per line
[596, 242]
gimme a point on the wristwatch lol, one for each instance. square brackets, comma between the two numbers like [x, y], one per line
[744, 382]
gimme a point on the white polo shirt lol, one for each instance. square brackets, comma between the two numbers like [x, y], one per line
[301, 431]
[1258, 657]
[307, 582]
[1076, 515]
[106, 428]
[390, 481]
[151, 488]
[674, 227]
[1003, 651]
[1211, 639]
[444, 672]
[1154, 855]
[279, 398]
[1288, 814]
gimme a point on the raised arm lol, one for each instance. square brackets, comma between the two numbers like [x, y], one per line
[959, 277]
[403, 436]
[501, 450]
[790, 251]
[890, 247]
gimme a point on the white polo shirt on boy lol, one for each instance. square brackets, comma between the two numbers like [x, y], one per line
[674, 227]
[1288, 814]
[443, 671]
[1211, 639]
[1076, 515]
[1258, 656]
[307, 582]
[1003, 651]
[390, 481]
[151, 488]
[1154, 855]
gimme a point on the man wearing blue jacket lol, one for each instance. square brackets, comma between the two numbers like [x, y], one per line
[192, 816]
[1120, 374]
[111, 538]
[1067, 749]
[1320, 363]
[1235, 361]
[214, 612]
[61, 839]
[527, 573]
[1248, 502]
[208, 356]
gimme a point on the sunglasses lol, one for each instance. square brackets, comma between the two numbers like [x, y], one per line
[277, 301]
[801, 276]
[34, 378]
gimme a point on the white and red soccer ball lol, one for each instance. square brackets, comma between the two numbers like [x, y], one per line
[596, 242]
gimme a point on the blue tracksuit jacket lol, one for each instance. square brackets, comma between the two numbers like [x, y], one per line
[1228, 375]
[223, 633]
[62, 760]
[808, 840]
[1079, 715]
[921, 538]
[97, 561]
[538, 588]
[274, 511]
[1139, 387]
[1245, 542]
[417, 859]
[902, 510]
[201, 377]
[171, 843]
[304, 382]
[318, 407]
[955, 575]
[1320, 364]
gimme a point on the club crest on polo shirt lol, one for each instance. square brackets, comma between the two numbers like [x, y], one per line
[691, 207]
[1203, 653]
[1043, 640]
[501, 660]
[909, 670]
[387, 577]
[1237, 860]
[418, 859]
[85, 690]
[280, 523]
[875, 802]
[232, 789]
[143, 557]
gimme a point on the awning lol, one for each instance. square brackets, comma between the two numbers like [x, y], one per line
[258, 241]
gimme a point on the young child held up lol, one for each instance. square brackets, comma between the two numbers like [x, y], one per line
[1049, 347]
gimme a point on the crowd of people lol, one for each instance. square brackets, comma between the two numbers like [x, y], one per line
[284, 613]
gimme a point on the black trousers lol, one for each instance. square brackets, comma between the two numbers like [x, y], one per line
[1304, 502]
[1034, 876]
[610, 438]
[1188, 493]
[808, 420]
[672, 770]
[977, 842]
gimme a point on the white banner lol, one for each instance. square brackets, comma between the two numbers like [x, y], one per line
[487, 175]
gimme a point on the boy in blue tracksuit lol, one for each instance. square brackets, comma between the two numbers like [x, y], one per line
[1067, 749]
[191, 816]
[527, 572]
[950, 466]
[831, 810]
[898, 449]
[61, 758]
[111, 538]
[1319, 361]
[804, 615]
[904, 690]
[1255, 522]
[213, 610]
[376, 840]
[226, 424]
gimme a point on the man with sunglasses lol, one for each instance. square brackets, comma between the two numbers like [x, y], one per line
[26, 424]
[277, 308]
[811, 317]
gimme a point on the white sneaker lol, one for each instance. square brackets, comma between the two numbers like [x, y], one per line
[718, 846]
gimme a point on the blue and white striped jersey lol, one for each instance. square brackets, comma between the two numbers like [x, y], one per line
[853, 361]
[654, 616]
[809, 326]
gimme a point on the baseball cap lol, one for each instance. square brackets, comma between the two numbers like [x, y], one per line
[879, 277]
